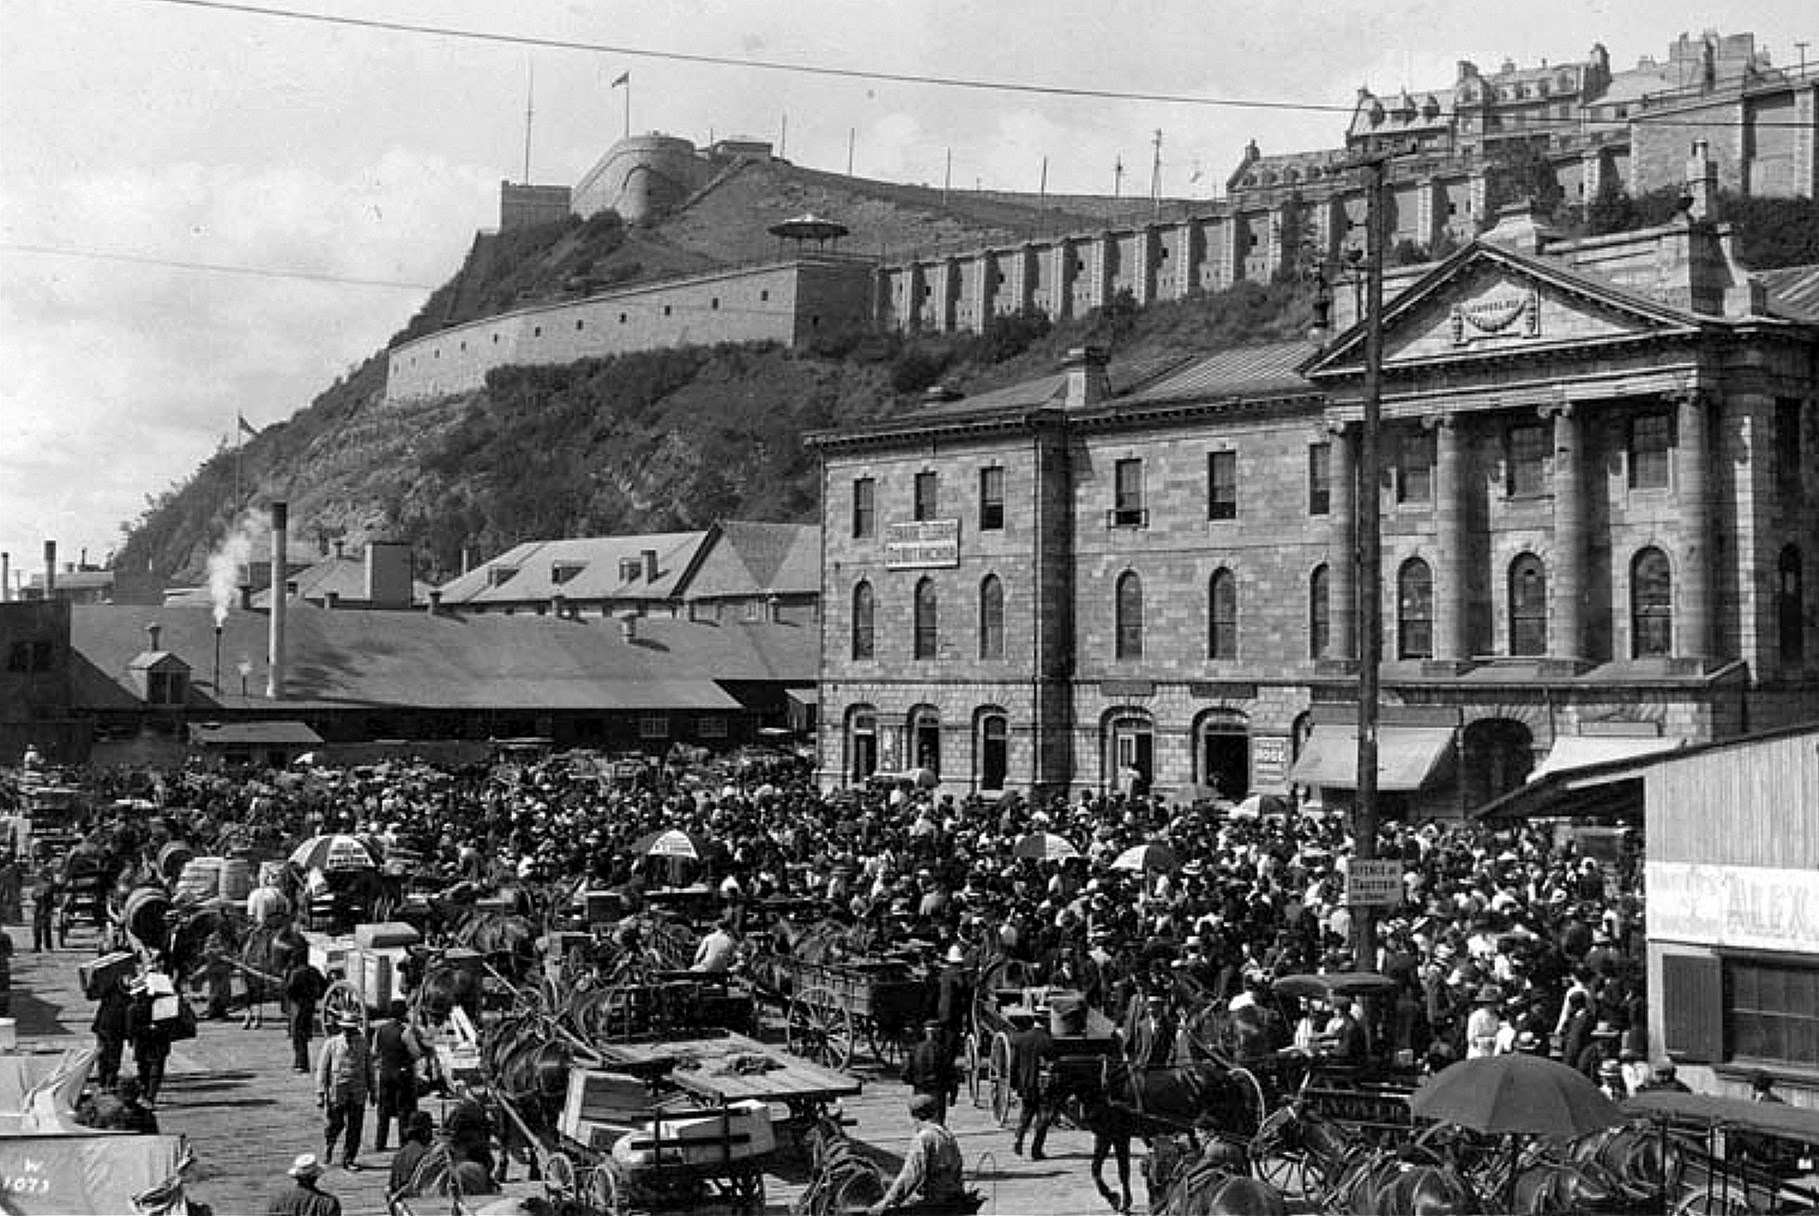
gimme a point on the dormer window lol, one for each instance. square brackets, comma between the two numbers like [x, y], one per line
[165, 687]
[562, 572]
[498, 576]
[629, 569]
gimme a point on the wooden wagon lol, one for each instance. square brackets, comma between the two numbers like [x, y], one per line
[831, 1006]
[1083, 1038]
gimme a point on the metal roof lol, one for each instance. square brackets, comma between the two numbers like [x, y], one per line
[1793, 292]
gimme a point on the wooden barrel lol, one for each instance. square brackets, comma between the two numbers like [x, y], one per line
[200, 880]
[236, 878]
[172, 858]
[143, 914]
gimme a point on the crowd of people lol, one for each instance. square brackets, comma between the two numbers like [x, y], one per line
[1511, 939]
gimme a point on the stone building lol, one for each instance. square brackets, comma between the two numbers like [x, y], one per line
[1598, 503]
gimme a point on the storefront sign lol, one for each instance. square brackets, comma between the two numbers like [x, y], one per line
[1123, 689]
[1212, 690]
[924, 545]
[1739, 906]
[1270, 755]
[1374, 884]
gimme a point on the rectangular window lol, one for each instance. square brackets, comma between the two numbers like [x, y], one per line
[991, 499]
[712, 726]
[1222, 485]
[1787, 445]
[1651, 436]
[1319, 478]
[928, 487]
[1127, 494]
[1525, 455]
[865, 509]
[1774, 1012]
[653, 726]
[1415, 466]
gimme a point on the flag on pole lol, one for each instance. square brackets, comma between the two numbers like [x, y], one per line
[247, 428]
[623, 78]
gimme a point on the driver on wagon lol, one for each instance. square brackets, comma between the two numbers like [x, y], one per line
[932, 1178]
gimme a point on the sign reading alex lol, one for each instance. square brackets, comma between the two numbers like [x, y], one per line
[1740, 906]
[1374, 884]
[924, 545]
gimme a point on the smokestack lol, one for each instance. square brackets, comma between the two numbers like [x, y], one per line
[1702, 183]
[50, 568]
[628, 627]
[274, 659]
[650, 565]
[151, 635]
[1087, 382]
[435, 601]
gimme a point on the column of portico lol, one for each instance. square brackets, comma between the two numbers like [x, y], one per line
[1022, 281]
[1061, 279]
[947, 279]
[1566, 617]
[1693, 499]
[1342, 545]
[1143, 272]
[984, 290]
[1450, 563]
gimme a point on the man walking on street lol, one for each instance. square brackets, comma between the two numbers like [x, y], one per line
[1031, 1048]
[44, 906]
[396, 1050]
[343, 1087]
[930, 1069]
[303, 987]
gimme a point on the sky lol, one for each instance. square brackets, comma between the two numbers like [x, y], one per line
[208, 212]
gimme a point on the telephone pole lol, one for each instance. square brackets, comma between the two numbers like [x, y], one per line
[1156, 175]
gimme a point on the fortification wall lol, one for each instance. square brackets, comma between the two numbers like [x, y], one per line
[777, 302]
[642, 178]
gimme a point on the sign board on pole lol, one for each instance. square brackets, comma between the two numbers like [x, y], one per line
[1374, 884]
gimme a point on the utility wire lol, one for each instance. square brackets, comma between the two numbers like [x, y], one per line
[1511, 122]
[257, 272]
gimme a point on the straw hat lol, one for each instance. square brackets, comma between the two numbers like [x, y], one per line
[305, 1168]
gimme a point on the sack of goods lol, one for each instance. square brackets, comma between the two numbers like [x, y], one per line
[743, 1131]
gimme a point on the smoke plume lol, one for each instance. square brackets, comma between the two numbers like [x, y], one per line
[227, 562]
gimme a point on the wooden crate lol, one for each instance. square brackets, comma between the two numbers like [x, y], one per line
[600, 1101]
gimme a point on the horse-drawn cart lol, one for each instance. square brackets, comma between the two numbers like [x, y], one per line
[1738, 1156]
[831, 1005]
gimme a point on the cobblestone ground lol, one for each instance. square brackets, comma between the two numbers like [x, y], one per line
[231, 1091]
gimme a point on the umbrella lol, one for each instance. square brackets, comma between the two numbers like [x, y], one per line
[1336, 983]
[1045, 846]
[1515, 1094]
[334, 852]
[672, 844]
[1151, 856]
[1258, 805]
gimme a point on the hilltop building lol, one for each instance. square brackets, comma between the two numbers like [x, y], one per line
[1599, 513]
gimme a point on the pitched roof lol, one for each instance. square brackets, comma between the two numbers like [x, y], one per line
[1793, 292]
[340, 575]
[1273, 368]
[341, 659]
[598, 577]
[745, 558]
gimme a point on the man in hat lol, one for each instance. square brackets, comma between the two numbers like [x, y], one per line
[715, 954]
[1483, 1023]
[397, 1049]
[933, 1175]
[1602, 1048]
[302, 1197]
[930, 1071]
[1031, 1048]
[1153, 1043]
[1610, 1080]
[344, 1073]
[1664, 1078]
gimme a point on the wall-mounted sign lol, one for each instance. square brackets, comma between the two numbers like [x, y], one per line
[1127, 688]
[926, 544]
[1222, 690]
[1270, 755]
[1745, 907]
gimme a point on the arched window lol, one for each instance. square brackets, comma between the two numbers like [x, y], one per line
[864, 618]
[861, 742]
[1129, 609]
[994, 750]
[991, 618]
[1651, 605]
[925, 738]
[1790, 605]
[1415, 610]
[1222, 616]
[1528, 605]
[926, 633]
[1319, 620]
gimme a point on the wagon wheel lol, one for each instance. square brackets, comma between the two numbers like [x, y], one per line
[1724, 1200]
[998, 1073]
[558, 1174]
[746, 1190]
[603, 1197]
[890, 1046]
[820, 1028]
[972, 1068]
[343, 1003]
[1295, 1174]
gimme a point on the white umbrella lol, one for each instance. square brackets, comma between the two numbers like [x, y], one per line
[671, 844]
[1151, 856]
[1045, 846]
[334, 852]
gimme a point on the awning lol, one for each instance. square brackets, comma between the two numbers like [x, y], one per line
[808, 698]
[1406, 757]
[254, 734]
[1583, 751]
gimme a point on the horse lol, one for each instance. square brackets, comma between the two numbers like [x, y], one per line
[1127, 1103]
[1214, 1182]
[840, 1178]
[1302, 1151]
[526, 1066]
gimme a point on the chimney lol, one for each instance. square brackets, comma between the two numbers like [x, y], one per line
[650, 565]
[151, 636]
[6, 577]
[435, 602]
[628, 627]
[246, 597]
[558, 605]
[1087, 384]
[331, 599]
[274, 658]
[388, 574]
[340, 546]
[1702, 184]
[50, 568]
[771, 610]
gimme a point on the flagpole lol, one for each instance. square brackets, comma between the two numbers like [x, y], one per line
[628, 105]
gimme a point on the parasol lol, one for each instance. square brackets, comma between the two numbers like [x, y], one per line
[1335, 983]
[1258, 805]
[1151, 856]
[334, 852]
[1045, 846]
[672, 843]
[1516, 1094]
